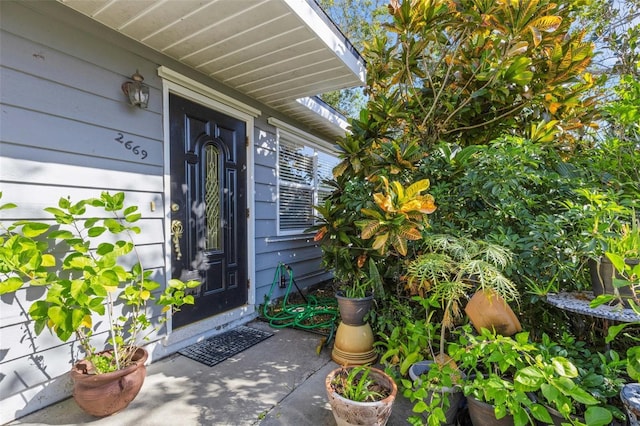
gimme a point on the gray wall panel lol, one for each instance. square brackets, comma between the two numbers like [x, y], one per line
[61, 109]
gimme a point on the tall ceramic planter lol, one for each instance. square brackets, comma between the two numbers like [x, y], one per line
[354, 339]
[351, 413]
[105, 394]
[454, 394]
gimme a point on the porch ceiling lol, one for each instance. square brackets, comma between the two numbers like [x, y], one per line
[274, 51]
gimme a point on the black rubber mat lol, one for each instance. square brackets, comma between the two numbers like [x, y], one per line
[218, 348]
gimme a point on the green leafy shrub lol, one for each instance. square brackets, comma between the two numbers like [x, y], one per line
[99, 275]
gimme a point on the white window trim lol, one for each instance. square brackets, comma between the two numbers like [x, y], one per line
[303, 138]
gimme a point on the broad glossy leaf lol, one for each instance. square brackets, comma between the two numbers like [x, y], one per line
[400, 244]
[109, 280]
[369, 228]
[540, 413]
[133, 217]
[529, 379]
[87, 322]
[564, 367]
[38, 309]
[34, 229]
[96, 231]
[77, 318]
[48, 260]
[517, 49]
[7, 206]
[380, 242]
[78, 287]
[10, 285]
[547, 23]
[57, 315]
[597, 416]
[417, 187]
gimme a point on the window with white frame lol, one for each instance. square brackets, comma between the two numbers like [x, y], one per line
[302, 168]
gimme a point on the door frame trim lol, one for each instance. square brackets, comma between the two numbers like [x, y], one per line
[173, 82]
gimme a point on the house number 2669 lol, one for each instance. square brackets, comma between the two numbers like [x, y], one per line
[131, 146]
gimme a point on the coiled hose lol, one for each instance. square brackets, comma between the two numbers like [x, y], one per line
[314, 314]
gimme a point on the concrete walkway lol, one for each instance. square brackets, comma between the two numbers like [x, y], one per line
[279, 381]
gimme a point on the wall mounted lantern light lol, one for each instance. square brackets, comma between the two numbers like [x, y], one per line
[137, 92]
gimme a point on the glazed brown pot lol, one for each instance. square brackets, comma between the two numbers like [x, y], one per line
[104, 394]
[347, 412]
[486, 309]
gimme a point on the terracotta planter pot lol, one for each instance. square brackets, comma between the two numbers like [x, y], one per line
[483, 414]
[487, 309]
[105, 394]
[353, 310]
[454, 394]
[347, 412]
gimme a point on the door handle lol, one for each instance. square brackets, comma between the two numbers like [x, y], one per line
[176, 233]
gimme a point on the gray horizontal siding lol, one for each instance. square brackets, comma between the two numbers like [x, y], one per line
[33, 207]
[300, 252]
[62, 110]
[51, 37]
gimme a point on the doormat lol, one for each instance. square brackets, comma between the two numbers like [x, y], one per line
[218, 348]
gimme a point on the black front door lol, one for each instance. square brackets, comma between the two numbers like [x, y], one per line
[208, 208]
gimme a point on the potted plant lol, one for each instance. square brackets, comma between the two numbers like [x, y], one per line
[355, 299]
[609, 227]
[627, 276]
[436, 390]
[621, 277]
[451, 268]
[360, 395]
[396, 215]
[513, 381]
[601, 375]
[408, 350]
[99, 280]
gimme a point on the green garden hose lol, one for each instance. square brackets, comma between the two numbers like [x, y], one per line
[316, 313]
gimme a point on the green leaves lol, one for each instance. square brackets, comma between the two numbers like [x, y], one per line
[94, 274]
[518, 72]
[34, 229]
[400, 215]
[10, 285]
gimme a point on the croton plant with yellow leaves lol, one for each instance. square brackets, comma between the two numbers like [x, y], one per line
[445, 76]
[399, 217]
